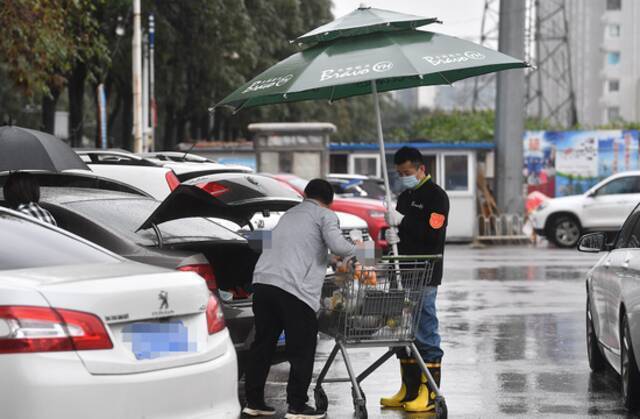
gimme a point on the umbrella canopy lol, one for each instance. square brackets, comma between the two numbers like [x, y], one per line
[25, 149]
[346, 67]
[364, 20]
[356, 56]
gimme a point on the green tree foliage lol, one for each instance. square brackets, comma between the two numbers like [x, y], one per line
[46, 45]
[33, 41]
[204, 50]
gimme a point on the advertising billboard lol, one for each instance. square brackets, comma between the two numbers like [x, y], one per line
[561, 163]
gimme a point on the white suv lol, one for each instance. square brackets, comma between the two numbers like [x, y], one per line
[604, 208]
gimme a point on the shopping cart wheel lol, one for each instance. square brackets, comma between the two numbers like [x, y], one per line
[361, 410]
[441, 408]
[322, 402]
[354, 396]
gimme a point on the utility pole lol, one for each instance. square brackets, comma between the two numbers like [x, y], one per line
[510, 110]
[152, 92]
[145, 95]
[136, 61]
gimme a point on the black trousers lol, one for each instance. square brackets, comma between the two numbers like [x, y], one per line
[276, 310]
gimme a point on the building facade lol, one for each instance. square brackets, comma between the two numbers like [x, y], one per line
[605, 50]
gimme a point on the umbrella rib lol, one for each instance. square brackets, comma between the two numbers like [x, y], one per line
[239, 108]
[445, 79]
[333, 90]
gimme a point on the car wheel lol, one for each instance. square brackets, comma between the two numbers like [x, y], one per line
[565, 231]
[596, 359]
[628, 368]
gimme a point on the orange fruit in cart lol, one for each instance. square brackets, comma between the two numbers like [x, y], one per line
[342, 267]
[365, 275]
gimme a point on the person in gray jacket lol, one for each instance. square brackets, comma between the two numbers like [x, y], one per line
[287, 285]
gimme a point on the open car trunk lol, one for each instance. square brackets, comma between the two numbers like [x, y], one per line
[233, 264]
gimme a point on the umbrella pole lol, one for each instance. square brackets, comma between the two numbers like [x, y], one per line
[383, 155]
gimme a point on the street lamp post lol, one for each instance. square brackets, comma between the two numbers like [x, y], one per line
[152, 93]
[137, 78]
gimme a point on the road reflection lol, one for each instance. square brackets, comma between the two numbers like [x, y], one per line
[512, 323]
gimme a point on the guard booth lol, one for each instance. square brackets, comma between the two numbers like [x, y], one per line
[453, 166]
[301, 148]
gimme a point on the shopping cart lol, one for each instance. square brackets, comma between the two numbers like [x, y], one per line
[374, 307]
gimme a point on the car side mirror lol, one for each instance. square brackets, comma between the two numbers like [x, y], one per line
[593, 243]
[592, 194]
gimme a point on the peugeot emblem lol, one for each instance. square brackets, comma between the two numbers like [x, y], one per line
[164, 300]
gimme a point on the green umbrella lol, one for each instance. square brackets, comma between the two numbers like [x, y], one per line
[364, 20]
[349, 66]
[379, 60]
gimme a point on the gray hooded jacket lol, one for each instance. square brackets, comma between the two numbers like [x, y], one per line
[296, 259]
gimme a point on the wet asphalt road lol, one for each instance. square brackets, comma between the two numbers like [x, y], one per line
[512, 326]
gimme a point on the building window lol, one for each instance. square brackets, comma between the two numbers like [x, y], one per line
[614, 4]
[364, 164]
[614, 85]
[456, 173]
[338, 163]
[614, 30]
[613, 114]
[613, 57]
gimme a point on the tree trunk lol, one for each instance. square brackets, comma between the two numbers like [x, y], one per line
[76, 103]
[205, 128]
[216, 124]
[194, 128]
[181, 129]
[169, 127]
[127, 119]
[49, 110]
[116, 102]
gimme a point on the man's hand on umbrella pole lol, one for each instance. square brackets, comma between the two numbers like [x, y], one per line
[391, 235]
[393, 217]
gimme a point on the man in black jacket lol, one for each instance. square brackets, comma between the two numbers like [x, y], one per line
[421, 218]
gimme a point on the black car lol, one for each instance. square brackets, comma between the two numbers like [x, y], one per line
[175, 233]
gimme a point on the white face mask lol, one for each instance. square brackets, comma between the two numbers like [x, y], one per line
[409, 182]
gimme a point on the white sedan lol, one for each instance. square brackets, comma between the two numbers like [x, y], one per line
[85, 333]
[603, 208]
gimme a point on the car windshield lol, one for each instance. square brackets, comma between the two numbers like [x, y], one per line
[235, 189]
[76, 180]
[373, 188]
[35, 246]
[124, 216]
[297, 182]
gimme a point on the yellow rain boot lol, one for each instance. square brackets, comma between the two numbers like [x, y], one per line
[426, 396]
[410, 373]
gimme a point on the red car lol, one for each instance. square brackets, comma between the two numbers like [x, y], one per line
[370, 210]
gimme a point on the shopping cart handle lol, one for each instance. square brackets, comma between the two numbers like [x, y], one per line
[401, 258]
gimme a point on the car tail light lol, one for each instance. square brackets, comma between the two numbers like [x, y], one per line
[44, 329]
[204, 270]
[215, 316]
[172, 180]
[213, 188]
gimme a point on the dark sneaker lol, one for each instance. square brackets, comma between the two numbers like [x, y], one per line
[305, 412]
[256, 410]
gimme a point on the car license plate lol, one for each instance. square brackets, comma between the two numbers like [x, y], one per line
[150, 340]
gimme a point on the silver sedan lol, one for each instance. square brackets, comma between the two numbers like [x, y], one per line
[613, 306]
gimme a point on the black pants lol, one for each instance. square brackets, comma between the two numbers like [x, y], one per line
[276, 310]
